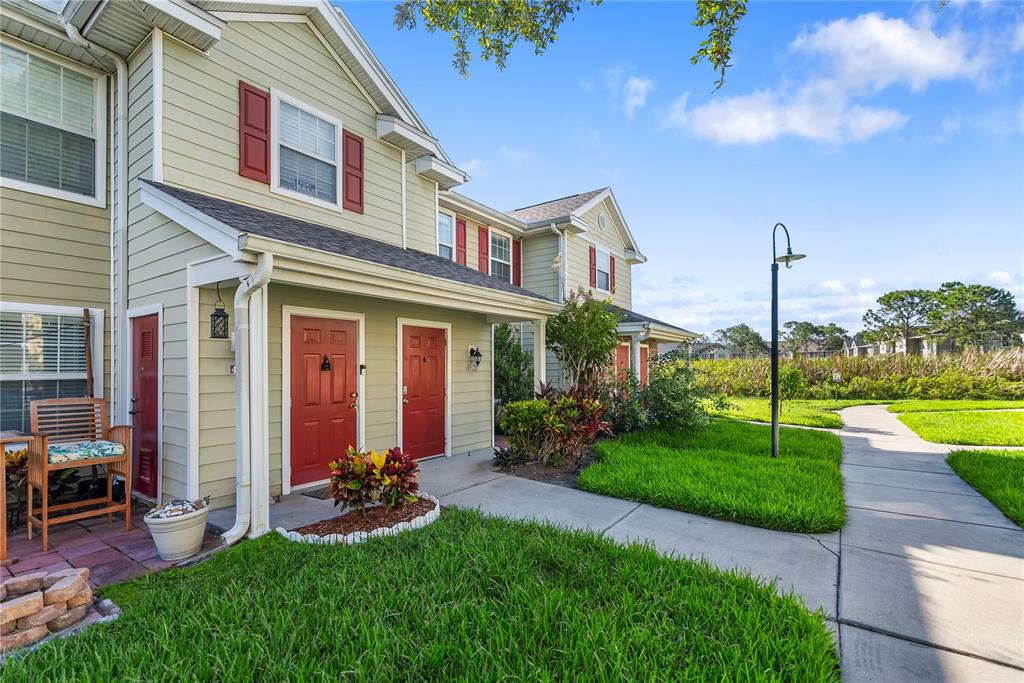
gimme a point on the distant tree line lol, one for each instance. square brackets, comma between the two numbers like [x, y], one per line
[969, 316]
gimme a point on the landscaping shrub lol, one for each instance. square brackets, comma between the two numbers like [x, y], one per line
[626, 412]
[550, 430]
[967, 375]
[359, 479]
[513, 367]
[672, 398]
[583, 336]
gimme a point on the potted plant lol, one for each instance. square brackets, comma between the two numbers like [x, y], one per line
[177, 527]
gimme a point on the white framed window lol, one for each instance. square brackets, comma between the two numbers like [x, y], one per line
[445, 236]
[604, 271]
[501, 256]
[42, 355]
[304, 147]
[52, 126]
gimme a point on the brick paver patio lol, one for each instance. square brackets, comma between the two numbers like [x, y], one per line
[111, 553]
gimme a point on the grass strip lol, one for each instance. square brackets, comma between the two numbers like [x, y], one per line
[997, 475]
[927, 406]
[467, 598]
[969, 428]
[726, 471]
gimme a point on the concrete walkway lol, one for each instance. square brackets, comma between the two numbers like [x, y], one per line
[924, 583]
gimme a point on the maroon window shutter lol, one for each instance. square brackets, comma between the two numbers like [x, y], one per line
[517, 263]
[460, 242]
[253, 132]
[611, 272]
[483, 250]
[593, 266]
[352, 162]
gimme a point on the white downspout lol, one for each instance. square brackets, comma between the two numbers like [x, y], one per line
[119, 225]
[243, 445]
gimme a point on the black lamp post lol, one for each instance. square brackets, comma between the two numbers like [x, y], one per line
[788, 259]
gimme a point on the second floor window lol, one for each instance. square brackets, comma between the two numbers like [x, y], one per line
[604, 277]
[307, 154]
[445, 236]
[501, 257]
[50, 127]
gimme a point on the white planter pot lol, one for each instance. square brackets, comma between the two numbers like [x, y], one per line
[178, 537]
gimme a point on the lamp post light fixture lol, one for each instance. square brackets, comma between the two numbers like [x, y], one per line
[788, 259]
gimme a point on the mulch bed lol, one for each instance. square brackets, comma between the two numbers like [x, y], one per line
[375, 518]
[564, 475]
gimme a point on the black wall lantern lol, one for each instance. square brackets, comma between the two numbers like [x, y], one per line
[475, 356]
[218, 319]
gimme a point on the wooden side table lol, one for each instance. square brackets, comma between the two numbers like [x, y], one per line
[6, 438]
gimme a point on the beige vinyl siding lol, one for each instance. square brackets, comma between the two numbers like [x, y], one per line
[421, 207]
[201, 124]
[611, 239]
[57, 253]
[217, 406]
[539, 255]
[472, 243]
[578, 270]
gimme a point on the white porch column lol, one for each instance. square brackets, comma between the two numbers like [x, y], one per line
[634, 355]
[539, 353]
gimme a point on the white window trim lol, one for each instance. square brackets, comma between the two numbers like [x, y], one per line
[96, 333]
[276, 97]
[437, 233]
[598, 271]
[490, 252]
[99, 198]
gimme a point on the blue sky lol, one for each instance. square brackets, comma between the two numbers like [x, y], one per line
[888, 137]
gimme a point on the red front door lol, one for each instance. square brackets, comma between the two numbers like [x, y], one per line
[423, 392]
[643, 365]
[324, 394]
[145, 404]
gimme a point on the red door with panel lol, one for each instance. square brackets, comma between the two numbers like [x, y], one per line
[621, 360]
[324, 394]
[423, 391]
[145, 402]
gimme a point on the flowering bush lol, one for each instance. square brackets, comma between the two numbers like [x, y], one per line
[359, 478]
[551, 430]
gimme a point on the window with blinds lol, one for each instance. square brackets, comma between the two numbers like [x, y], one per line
[308, 154]
[47, 123]
[41, 356]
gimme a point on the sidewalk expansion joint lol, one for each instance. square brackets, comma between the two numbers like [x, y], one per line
[609, 527]
[937, 564]
[937, 519]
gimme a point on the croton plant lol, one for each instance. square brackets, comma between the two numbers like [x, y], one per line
[359, 478]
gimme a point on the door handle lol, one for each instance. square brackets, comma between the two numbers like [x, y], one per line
[352, 406]
[133, 411]
[405, 401]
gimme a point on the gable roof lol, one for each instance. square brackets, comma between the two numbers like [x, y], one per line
[628, 316]
[248, 220]
[556, 208]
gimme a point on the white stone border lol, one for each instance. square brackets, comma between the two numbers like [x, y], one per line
[360, 536]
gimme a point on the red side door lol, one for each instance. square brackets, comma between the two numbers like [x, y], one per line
[423, 399]
[643, 365]
[621, 360]
[324, 394]
[145, 401]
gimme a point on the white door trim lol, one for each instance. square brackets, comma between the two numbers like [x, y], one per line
[286, 384]
[142, 312]
[447, 327]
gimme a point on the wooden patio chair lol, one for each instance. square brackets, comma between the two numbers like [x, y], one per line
[73, 433]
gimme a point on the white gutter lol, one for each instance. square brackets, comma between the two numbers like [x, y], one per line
[243, 446]
[118, 224]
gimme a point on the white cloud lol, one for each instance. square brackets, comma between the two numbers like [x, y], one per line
[816, 111]
[637, 90]
[871, 52]
[1000, 276]
[631, 91]
[859, 58]
[865, 283]
[833, 286]
[515, 156]
[1017, 42]
[474, 167]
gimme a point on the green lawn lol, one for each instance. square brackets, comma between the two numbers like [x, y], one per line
[925, 406]
[467, 598]
[726, 471]
[977, 428]
[997, 475]
[803, 412]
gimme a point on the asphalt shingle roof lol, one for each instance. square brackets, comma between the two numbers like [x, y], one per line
[629, 316]
[247, 219]
[556, 208]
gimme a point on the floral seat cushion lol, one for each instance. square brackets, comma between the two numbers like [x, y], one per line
[82, 450]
